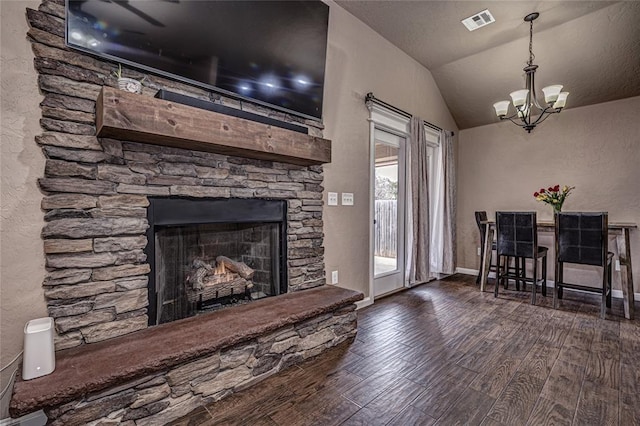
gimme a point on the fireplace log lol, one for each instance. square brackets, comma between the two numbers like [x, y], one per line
[219, 289]
[239, 267]
[201, 270]
[209, 280]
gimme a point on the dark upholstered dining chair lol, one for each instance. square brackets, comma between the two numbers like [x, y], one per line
[517, 236]
[481, 216]
[582, 238]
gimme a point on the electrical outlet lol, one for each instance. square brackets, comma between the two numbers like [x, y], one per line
[334, 277]
[347, 198]
[617, 264]
[478, 251]
[332, 198]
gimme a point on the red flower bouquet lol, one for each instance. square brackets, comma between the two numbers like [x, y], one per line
[554, 196]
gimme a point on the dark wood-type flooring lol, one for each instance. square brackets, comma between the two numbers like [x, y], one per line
[443, 353]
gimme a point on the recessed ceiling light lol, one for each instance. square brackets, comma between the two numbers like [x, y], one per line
[478, 20]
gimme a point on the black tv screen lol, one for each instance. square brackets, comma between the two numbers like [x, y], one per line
[272, 52]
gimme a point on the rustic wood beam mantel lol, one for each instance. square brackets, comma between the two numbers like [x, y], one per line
[127, 116]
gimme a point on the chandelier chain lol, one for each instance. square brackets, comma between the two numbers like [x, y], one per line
[531, 55]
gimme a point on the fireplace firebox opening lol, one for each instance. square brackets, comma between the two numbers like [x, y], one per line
[207, 254]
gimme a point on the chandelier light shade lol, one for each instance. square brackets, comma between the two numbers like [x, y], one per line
[529, 112]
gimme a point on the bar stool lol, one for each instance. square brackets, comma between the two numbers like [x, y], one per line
[582, 238]
[481, 216]
[517, 236]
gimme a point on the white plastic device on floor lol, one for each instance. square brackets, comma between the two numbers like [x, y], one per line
[39, 357]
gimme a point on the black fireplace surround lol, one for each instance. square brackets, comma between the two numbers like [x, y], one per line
[184, 230]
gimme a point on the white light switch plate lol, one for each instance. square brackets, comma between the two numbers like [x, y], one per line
[347, 198]
[332, 198]
[334, 277]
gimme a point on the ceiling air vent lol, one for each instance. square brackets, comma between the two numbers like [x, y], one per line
[478, 20]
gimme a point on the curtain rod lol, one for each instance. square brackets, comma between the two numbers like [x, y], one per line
[371, 98]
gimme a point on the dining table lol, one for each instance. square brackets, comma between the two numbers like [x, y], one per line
[621, 232]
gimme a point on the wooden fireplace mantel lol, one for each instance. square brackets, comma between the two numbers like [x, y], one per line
[128, 116]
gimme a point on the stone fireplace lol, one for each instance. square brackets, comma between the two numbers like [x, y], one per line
[104, 178]
[97, 232]
[208, 254]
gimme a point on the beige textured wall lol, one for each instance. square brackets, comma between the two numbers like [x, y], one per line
[594, 148]
[21, 163]
[360, 61]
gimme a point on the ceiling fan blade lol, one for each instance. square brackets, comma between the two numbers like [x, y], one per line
[125, 4]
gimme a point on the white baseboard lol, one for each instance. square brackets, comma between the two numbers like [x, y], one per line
[364, 303]
[467, 271]
[550, 283]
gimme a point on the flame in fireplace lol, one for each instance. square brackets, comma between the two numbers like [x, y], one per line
[219, 269]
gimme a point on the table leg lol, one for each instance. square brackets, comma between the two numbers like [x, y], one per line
[626, 272]
[486, 261]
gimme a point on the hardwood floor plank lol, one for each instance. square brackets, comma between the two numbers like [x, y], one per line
[437, 399]
[232, 410]
[516, 402]
[521, 343]
[630, 330]
[423, 353]
[411, 416]
[574, 356]
[579, 339]
[471, 408]
[384, 362]
[630, 378]
[603, 366]
[464, 339]
[264, 421]
[368, 389]
[539, 362]
[442, 369]
[288, 416]
[564, 384]
[629, 350]
[504, 329]
[481, 355]
[197, 417]
[629, 409]
[387, 405]
[549, 412]
[488, 421]
[330, 411]
[597, 405]
[555, 333]
[497, 376]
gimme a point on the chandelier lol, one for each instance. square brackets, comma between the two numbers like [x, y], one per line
[529, 110]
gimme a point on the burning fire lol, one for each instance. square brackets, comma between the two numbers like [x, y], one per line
[219, 269]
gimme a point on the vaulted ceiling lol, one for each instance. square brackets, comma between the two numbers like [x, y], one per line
[591, 47]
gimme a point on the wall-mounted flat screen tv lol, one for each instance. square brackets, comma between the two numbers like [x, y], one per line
[271, 52]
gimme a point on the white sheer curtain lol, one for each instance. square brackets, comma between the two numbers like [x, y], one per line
[450, 204]
[443, 207]
[437, 209]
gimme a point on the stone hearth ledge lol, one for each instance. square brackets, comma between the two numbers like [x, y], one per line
[98, 366]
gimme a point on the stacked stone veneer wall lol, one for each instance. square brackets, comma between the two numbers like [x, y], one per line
[161, 398]
[95, 192]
